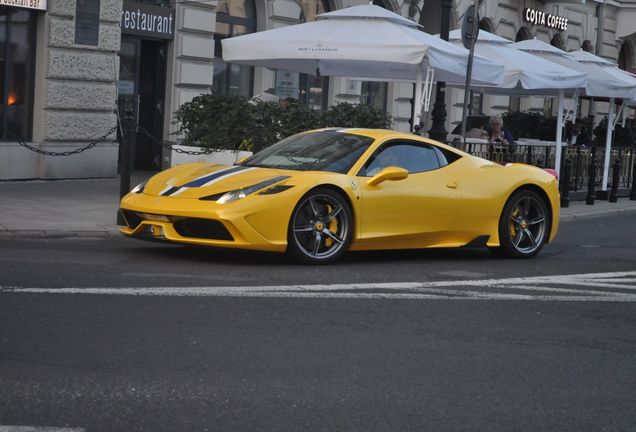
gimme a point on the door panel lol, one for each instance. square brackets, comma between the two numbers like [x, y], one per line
[419, 209]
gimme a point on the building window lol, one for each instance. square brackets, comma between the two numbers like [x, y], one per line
[374, 93]
[233, 18]
[312, 89]
[17, 60]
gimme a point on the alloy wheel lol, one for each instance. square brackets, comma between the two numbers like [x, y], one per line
[321, 226]
[527, 224]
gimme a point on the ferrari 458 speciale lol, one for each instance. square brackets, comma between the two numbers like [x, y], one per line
[321, 193]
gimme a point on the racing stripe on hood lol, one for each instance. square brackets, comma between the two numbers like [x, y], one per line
[206, 180]
[210, 178]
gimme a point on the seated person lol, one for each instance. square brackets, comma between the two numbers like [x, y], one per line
[498, 134]
[578, 135]
[477, 130]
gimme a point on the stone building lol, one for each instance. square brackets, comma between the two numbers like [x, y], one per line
[68, 64]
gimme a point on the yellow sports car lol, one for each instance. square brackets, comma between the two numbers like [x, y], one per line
[321, 193]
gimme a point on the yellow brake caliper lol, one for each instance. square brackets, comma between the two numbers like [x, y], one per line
[511, 225]
[333, 227]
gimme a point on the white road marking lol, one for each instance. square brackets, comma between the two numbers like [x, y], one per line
[541, 288]
[38, 429]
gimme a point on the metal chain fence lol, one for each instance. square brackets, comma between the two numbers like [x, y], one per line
[89, 146]
[172, 147]
[102, 138]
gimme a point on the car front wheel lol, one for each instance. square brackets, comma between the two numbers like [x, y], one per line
[320, 228]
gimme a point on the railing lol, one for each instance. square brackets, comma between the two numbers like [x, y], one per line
[542, 154]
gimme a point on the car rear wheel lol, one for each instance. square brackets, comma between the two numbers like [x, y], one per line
[320, 228]
[523, 226]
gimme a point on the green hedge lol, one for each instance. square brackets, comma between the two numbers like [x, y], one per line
[530, 125]
[235, 122]
[623, 136]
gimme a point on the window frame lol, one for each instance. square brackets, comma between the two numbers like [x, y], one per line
[8, 75]
[231, 21]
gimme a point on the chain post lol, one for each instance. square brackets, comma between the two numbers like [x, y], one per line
[129, 130]
[616, 170]
[591, 181]
[565, 192]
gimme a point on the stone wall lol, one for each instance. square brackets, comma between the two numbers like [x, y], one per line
[75, 97]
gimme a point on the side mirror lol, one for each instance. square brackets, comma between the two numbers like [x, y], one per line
[389, 173]
[241, 160]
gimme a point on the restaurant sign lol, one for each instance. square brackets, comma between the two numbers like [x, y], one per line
[29, 4]
[147, 20]
[537, 17]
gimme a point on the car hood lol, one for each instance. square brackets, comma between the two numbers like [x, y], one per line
[198, 180]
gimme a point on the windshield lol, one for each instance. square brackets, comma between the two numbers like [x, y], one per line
[315, 151]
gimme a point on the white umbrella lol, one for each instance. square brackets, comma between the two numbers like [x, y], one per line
[366, 42]
[604, 79]
[525, 74]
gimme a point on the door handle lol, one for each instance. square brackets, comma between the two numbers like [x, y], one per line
[452, 185]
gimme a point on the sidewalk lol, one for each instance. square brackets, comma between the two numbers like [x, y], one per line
[61, 208]
[87, 208]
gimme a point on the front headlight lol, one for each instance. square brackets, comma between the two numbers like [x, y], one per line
[139, 188]
[237, 194]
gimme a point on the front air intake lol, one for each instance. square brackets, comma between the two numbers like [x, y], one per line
[131, 219]
[202, 228]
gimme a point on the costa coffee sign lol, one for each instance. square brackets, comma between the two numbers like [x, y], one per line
[537, 17]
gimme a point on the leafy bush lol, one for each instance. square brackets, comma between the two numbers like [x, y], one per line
[215, 121]
[233, 122]
[530, 125]
[364, 116]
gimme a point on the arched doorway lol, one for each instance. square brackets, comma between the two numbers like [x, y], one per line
[524, 33]
[487, 25]
[557, 41]
[626, 57]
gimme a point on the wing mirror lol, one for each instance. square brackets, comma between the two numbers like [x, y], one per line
[389, 173]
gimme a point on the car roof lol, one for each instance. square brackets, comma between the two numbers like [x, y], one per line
[382, 134]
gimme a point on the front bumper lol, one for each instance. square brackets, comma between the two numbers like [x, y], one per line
[193, 221]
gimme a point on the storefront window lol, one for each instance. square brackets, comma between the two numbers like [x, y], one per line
[17, 50]
[233, 18]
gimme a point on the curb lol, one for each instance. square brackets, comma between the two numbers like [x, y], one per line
[56, 234]
[595, 214]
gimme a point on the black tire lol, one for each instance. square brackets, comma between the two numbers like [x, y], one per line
[320, 227]
[523, 225]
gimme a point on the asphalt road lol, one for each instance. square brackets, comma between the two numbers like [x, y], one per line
[331, 362]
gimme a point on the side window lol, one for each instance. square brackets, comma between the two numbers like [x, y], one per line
[412, 157]
[441, 157]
